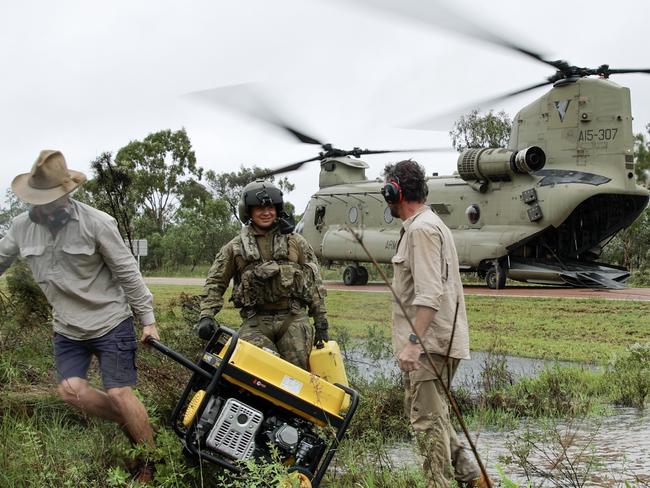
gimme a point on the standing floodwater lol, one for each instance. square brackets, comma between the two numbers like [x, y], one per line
[369, 367]
[604, 450]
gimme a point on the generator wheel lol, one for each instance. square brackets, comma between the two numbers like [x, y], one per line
[192, 407]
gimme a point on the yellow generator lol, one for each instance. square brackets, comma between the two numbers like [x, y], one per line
[244, 402]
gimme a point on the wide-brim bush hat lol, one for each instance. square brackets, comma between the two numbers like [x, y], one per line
[49, 179]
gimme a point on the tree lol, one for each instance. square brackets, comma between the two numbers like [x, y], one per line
[163, 173]
[475, 131]
[197, 235]
[7, 213]
[111, 190]
[642, 157]
[229, 186]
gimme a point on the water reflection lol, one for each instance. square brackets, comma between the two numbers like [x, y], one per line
[605, 451]
[370, 367]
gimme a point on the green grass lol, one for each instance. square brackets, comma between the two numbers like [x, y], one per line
[576, 330]
[586, 330]
[198, 271]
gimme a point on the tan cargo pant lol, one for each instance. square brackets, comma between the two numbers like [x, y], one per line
[290, 335]
[426, 405]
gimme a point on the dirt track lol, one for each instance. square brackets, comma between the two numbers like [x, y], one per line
[642, 294]
[527, 291]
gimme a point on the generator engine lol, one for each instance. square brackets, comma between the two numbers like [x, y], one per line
[239, 431]
[245, 403]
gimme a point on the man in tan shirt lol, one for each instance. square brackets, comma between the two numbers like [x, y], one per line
[92, 282]
[427, 281]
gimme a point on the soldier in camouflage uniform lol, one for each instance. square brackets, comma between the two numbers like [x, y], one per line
[276, 280]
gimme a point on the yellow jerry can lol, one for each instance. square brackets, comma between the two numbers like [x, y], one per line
[327, 363]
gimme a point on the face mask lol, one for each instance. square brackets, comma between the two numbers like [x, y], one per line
[55, 220]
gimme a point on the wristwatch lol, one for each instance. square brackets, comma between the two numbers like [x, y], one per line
[413, 339]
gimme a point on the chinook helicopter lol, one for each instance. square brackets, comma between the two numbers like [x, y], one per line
[539, 211]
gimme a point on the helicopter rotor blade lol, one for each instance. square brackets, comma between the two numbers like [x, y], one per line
[244, 99]
[332, 153]
[444, 120]
[389, 151]
[302, 137]
[440, 15]
[289, 167]
[627, 71]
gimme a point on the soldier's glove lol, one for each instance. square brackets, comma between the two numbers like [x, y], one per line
[320, 334]
[205, 328]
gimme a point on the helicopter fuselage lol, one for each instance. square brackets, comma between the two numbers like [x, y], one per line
[545, 223]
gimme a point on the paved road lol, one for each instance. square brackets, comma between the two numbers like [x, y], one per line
[642, 294]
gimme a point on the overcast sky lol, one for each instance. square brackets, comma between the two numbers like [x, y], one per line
[87, 77]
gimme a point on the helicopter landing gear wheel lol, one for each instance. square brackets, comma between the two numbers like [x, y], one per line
[495, 278]
[362, 276]
[355, 275]
[350, 276]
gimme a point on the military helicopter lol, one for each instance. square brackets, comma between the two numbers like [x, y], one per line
[540, 210]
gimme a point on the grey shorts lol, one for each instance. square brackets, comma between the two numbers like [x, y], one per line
[114, 350]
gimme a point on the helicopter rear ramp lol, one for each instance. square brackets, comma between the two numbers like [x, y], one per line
[579, 274]
[590, 279]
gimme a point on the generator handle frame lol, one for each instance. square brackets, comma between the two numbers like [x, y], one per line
[179, 358]
[214, 377]
[325, 462]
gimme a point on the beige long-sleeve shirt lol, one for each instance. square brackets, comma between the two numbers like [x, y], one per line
[87, 273]
[426, 273]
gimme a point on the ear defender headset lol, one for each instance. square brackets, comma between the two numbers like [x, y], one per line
[392, 192]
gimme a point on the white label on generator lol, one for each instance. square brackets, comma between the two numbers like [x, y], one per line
[291, 384]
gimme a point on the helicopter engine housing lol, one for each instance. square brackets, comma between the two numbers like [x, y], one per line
[498, 164]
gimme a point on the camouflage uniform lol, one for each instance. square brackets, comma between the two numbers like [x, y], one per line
[276, 284]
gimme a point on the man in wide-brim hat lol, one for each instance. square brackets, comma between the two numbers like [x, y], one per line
[92, 282]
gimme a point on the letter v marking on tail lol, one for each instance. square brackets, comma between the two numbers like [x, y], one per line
[561, 107]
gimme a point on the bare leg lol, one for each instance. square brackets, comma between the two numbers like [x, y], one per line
[117, 404]
[91, 401]
[136, 420]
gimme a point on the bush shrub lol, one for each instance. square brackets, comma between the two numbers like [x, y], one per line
[30, 305]
[627, 377]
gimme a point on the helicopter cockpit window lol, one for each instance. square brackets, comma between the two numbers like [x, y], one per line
[388, 217]
[353, 215]
[473, 213]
